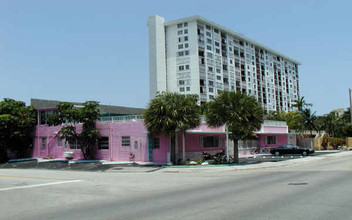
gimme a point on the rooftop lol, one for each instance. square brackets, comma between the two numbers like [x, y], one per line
[238, 35]
[104, 109]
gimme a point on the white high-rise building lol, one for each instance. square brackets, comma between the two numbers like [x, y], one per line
[196, 56]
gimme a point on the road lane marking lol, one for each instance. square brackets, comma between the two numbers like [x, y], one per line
[35, 178]
[38, 185]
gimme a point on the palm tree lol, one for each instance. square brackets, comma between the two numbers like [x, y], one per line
[240, 113]
[309, 120]
[169, 113]
[300, 104]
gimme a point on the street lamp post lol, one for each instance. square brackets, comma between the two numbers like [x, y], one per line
[349, 94]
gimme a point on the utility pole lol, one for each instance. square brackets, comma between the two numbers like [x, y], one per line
[349, 94]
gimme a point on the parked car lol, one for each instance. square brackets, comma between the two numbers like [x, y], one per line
[291, 149]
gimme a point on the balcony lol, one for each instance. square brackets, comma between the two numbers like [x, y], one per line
[113, 119]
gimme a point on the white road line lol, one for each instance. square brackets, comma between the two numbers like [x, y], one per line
[38, 185]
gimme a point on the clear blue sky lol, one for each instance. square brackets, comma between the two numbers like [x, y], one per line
[80, 50]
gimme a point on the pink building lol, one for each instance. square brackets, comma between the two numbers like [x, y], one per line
[125, 138]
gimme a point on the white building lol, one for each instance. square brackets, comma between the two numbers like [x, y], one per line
[196, 56]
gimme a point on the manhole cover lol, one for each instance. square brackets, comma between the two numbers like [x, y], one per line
[298, 184]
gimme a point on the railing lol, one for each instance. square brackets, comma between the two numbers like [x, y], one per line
[112, 119]
[275, 123]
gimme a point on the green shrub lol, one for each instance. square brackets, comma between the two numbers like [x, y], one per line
[335, 142]
[325, 142]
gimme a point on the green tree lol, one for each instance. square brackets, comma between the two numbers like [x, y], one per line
[308, 120]
[294, 121]
[16, 126]
[240, 113]
[69, 117]
[275, 116]
[347, 125]
[169, 113]
[300, 104]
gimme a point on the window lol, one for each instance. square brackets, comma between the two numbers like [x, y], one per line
[180, 46]
[186, 45]
[186, 52]
[210, 69]
[181, 82]
[217, 44]
[209, 141]
[135, 144]
[211, 89]
[187, 67]
[73, 144]
[209, 47]
[155, 143]
[44, 115]
[181, 67]
[44, 142]
[188, 89]
[185, 31]
[185, 24]
[182, 89]
[218, 77]
[103, 143]
[216, 31]
[125, 141]
[186, 38]
[217, 50]
[271, 140]
[208, 34]
[59, 142]
[209, 55]
[179, 25]
[179, 32]
[180, 54]
[208, 27]
[209, 41]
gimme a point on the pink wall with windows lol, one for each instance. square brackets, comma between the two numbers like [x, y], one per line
[280, 140]
[192, 142]
[138, 146]
[114, 131]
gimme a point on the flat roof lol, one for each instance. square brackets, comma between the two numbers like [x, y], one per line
[51, 104]
[238, 35]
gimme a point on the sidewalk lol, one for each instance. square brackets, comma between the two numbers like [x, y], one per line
[263, 165]
[132, 167]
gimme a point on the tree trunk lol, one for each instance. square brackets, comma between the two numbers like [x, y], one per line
[84, 153]
[173, 149]
[235, 151]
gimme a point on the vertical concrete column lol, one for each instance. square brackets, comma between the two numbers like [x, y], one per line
[157, 55]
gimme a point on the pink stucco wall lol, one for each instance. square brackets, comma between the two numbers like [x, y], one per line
[275, 129]
[192, 142]
[138, 134]
[116, 152]
[280, 140]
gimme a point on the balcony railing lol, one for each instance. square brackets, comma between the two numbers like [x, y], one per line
[112, 119]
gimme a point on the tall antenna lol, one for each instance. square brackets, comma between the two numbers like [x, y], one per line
[349, 94]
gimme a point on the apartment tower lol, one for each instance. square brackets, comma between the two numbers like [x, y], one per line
[196, 56]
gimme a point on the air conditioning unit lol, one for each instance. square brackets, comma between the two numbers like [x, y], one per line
[68, 155]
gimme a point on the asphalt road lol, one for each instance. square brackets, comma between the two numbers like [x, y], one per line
[309, 188]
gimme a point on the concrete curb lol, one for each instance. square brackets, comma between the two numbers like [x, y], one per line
[263, 165]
